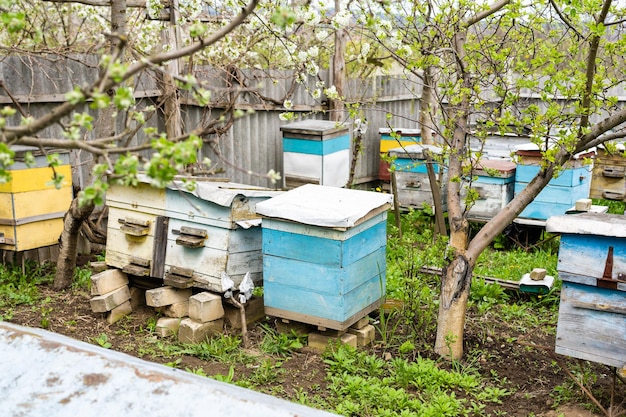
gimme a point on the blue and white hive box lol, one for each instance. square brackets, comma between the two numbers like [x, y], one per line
[187, 238]
[213, 229]
[316, 152]
[493, 181]
[592, 266]
[324, 257]
[562, 192]
[412, 180]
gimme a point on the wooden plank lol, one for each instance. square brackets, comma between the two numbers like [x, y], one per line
[586, 255]
[161, 227]
[591, 334]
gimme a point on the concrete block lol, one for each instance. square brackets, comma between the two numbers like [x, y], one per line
[254, 312]
[165, 296]
[137, 297]
[167, 326]
[191, 331]
[107, 281]
[584, 204]
[97, 267]
[177, 310]
[537, 274]
[361, 323]
[109, 301]
[120, 311]
[364, 335]
[205, 306]
[320, 342]
[287, 327]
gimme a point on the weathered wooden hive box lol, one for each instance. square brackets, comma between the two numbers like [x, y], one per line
[391, 139]
[494, 181]
[561, 193]
[608, 180]
[412, 179]
[214, 229]
[316, 152]
[324, 254]
[31, 206]
[136, 229]
[592, 265]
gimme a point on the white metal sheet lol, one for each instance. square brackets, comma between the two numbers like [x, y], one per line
[324, 206]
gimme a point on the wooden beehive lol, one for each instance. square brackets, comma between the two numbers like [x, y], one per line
[31, 206]
[561, 193]
[213, 230]
[136, 229]
[412, 179]
[493, 180]
[324, 257]
[592, 265]
[316, 152]
[608, 179]
[401, 138]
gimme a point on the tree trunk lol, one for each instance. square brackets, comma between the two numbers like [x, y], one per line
[455, 289]
[68, 243]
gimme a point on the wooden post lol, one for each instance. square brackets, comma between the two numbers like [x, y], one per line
[440, 222]
[396, 203]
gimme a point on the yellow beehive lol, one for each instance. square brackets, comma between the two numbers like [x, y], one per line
[31, 206]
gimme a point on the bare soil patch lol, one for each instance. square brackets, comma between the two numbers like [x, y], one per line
[503, 355]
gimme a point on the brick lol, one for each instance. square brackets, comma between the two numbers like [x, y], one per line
[176, 310]
[255, 311]
[119, 312]
[165, 296]
[364, 335]
[107, 281]
[108, 301]
[137, 297]
[167, 326]
[320, 342]
[287, 327]
[537, 274]
[205, 306]
[361, 323]
[191, 331]
[97, 267]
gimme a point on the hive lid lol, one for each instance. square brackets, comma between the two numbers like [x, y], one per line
[314, 127]
[325, 206]
[415, 151]
[400, 131]
[532, 149]
[224, 193]
[495, 168]
[599, 224]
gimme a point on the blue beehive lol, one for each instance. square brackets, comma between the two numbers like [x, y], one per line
[561, 193]
[324, 254]
[592, 266]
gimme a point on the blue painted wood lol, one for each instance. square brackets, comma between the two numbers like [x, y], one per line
[409, 165]
[540, 210]
[318, 250]
[592, 324]
[334, 307]
[567, 178]
[316, 147]
[558, 194]
[323, 232]
[290, 273]
[586, 255]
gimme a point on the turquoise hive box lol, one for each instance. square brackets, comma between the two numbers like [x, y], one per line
[324, 254]
[573, 183]
[592, 265]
